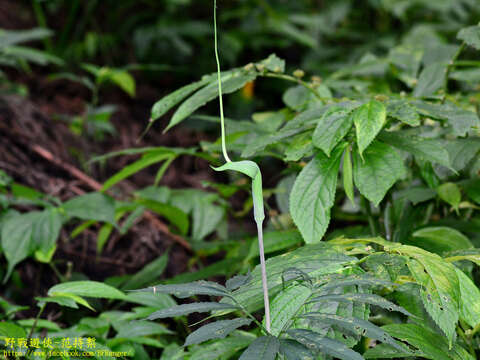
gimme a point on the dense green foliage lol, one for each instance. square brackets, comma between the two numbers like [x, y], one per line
[372, 229]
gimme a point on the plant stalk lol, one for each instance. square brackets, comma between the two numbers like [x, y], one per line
[266, 300]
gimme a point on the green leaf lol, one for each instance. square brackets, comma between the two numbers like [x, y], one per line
[149, 273]
[157, 301]
[450, 193]
[375, 174]
[166, 103]
[471, 36]
[314, 259]
[431, 344]
[47, 228]
[371, 299]
[264, 347]
[206, 217]
[215, 330]
[274, 241]
[356, 326]
[186, 309]
[462, 151]
[473, 190]
[222, 348]
[230, 83]
[10, 330]
[331, 282]
[146, 160]
[440, 290]
[252, 170]
[274, 63]
[173, 214]
[124, 80]
[440, 239]
[470, 300]
[403, 111]
[431, 79]
[325, 345]
[296, 97]
[348, 175]
[92, 289]
[17, 242]
[187, 290]
[313, 195]
[428, 149]
[369, 120]
[93, 206]
[293, 350]
[416, 195]
[60, 300]
[385, 351]
[138, 328]
[332, 127]
[11, 37]
[285, 306]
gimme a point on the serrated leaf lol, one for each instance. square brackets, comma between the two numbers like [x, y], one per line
[440, 239]
[371, 299]
[450, 193]
[293, 350]
[471, 36]
[375, 174]
[185, 309]
[286, 305]
[470, 300]
[215, 330]
[431, 344]
[428, 149]
[332, 128]
[187, 290]
[313, 195]
[369, 120]
[230, 83]
[356, 326]
[325, 345]
[403, 111]
[93, 206]
[264, 347]
[92, 289]
[431, 79]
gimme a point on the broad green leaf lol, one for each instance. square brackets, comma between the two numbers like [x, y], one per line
[450, 193]
[39, 323]
[440, 290]
[103, 235]
[124, 80]
[146, 160]
[331, 282]
[385, 351]
[296, 97]
[93, 206]
[416, 195]
[431, 344]
[173, 352]
[206, 217]
[252, 170]
[332, 128]
[238, 280]
[470, 300]
[225, 267]
[356, 326]
[375, 173]
[65, 299]
[275, 241]
[285, 306]
[264, 347]
[314, 259]
[348, 175]
[157, 301]
[47, 228]
[300, 146]
[149, 273]
[440, 239]
[190, 289]
[403, 111]
[274, 63]
[293, 350]
[230, 83]
[60, 300]
[173, 214]
[222, 348]
[371, 299]
[471, 36]
[431, 79]
[92, 289]
[462, 151]
[10, 330]
[473, 190]
[313, 195]
[17, 241]
[215, 330]
[260, 142]
[369, 120]
[325, 345]
[185, 309]
[137, 328]
[428, 149]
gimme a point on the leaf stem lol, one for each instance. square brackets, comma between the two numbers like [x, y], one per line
[222, 119]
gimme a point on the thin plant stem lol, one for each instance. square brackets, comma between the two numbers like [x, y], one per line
[34, 325]
[449, 68]
[264, 276]
[222, 119]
